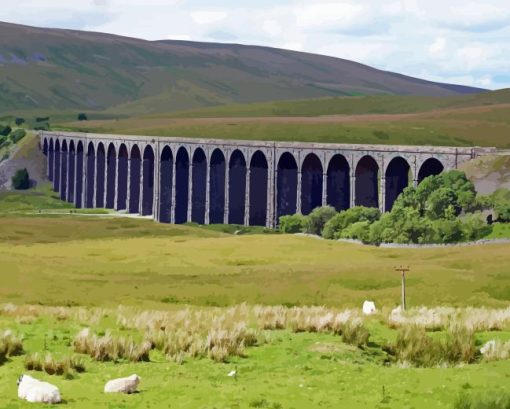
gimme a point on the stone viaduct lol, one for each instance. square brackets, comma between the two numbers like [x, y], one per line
[178, 180]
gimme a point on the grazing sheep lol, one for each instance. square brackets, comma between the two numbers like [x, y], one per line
[488, 347]
[369, 308]
[122, 385]
[34, 390]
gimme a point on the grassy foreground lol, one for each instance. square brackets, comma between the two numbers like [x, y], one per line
[288, 369]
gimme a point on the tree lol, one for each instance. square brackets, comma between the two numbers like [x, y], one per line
[5, 130]
[342, 220]
[292, 223]
[19, 121]
[21, 180]
[318, 218]
[82, 117]
[17, 135]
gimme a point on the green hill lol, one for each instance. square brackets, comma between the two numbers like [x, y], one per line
[47, 69]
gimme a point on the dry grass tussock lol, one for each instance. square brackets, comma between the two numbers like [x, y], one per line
[65, 366]
[496, 350]
[26, 314]
[414, 347]
[11, 344]
[475, 319]
[110, 348]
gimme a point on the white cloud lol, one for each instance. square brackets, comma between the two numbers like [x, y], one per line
[438, 46]
[208, 17]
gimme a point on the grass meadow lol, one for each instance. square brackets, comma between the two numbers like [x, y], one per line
[90, 297]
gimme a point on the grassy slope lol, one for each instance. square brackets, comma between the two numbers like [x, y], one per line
[140, 262]
[467, 121]
[298, 371]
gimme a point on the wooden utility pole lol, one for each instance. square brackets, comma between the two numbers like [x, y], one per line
[403, 270]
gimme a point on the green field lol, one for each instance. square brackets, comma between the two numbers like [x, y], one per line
[473, 126]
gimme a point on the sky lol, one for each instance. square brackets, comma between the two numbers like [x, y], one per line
[457, 41]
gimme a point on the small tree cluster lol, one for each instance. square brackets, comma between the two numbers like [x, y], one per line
[21, 180]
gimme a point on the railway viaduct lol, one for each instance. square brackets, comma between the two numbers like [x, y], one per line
[178, 180]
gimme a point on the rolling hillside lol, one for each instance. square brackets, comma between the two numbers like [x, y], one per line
[50, 69]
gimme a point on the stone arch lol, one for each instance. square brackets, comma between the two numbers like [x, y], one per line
[91, 171]
[63, 172]
[217, 187]
[56, 167]
[286, 184]
[135, 173]
[100, 174]
[51, 157]
[148, 181]
[236, 187]
[367, 182]
[181, 185]
[258, 189]
[122, 177]
[431, 166]
[199, 186]
[396, 179]
[311, 183]
[338, 191]
[71, 177]
[111, 175]
[78, 199]
[166, 169]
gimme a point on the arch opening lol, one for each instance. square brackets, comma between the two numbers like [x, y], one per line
[148, 181]
[181, 185]
[135, 164]
[396, 179]
[91, 169]
[56, 168]
[311, 184]
[258, 189]
[199, 183]
[63, 170]
[78, 199]
[430, 167]
[122, 177]
[367, 182]
[111, 170]
[71, 177]
[100, 175]
[286, 183]
[217, 187]
[51, 158]
[236, 188]
[338, 190]
[165, 185]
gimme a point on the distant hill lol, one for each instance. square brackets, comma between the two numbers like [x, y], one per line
[52, 69]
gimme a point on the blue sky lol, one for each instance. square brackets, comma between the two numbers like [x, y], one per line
[460, 41]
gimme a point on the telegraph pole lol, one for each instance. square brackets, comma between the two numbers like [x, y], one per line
[403, 271]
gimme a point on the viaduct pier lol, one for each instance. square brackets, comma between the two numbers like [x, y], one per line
[178, 180]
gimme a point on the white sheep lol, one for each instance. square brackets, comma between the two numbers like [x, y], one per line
[34, 390]
[369, 308]
[122, 385]
[488, 347]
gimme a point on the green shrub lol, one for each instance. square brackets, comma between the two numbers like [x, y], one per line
[474, 227]
[19, 121]
[4, 141]
[318, 218]
[42, 119]
[21, 180]
[339, 222]
[17, 135]
[5, 130]
[42, 127]
[357, 231]
[82, 117]
[355, 333]
[295, 223]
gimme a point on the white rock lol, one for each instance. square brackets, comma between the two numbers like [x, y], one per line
[33, 390]
[369, 308]
[122, 385]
